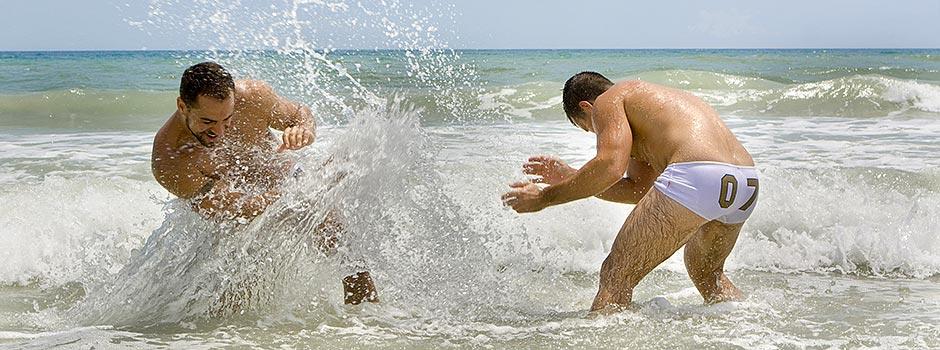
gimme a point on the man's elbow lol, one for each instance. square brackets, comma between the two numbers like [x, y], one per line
[612, 170]
[611, 176]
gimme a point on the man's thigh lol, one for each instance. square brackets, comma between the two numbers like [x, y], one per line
[655, 229]
[710, 246]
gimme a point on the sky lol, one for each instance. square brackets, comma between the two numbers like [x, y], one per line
[506, 24]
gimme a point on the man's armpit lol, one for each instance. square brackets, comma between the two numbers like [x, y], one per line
[200, 200]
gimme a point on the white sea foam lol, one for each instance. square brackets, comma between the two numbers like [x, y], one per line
[78, 229]
[453, 265]
[852, 96]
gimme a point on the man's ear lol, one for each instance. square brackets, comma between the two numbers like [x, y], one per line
[587, 108]
[181, 106]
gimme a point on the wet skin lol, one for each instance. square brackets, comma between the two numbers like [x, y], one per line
[641, 128]
[221, 156]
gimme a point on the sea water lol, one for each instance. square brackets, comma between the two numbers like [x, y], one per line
[841, 251]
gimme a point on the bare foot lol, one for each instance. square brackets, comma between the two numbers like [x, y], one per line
[359, 287]
[726, 292]
[608, 310]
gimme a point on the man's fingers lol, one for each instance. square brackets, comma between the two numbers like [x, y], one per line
[538, 158]
[513, 193]
[516, 185]
[543, 159]
[282, 148]
[507, 196]
[294, 139]
[285, 138]
[533, 167]
[538, 180]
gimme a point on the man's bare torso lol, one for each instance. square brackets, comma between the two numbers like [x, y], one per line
[245, 155]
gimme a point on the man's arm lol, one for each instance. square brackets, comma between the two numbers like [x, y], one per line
[216, 199]
[289, 114]
[185, 178]
[629, 190]
[294, 119]
[614, 142]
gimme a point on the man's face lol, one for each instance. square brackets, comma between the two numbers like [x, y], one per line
[208, 118]
[585, 122]
[585, 119]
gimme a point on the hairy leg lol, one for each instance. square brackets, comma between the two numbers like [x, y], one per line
[705, 255]
[655, 230]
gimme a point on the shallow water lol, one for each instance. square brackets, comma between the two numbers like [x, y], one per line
[840, 253]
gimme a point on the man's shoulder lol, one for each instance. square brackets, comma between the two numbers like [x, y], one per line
[252, 89]
[633, 86]
[633, 92]
[178, 170]
[624, 90]
[163, 141]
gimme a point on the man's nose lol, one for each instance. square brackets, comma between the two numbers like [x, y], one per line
[218, 129]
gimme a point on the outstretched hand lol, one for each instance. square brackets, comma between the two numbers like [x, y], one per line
[549, 169]
[524, 197]
[295, 137]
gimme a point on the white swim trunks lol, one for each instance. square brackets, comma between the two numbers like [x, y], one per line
[713, 190]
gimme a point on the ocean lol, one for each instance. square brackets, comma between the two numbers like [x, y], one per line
[842, 250]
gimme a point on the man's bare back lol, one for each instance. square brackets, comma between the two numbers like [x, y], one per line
[672, 126]
[663, 139]
[217, 152]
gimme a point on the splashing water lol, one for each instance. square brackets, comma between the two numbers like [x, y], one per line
[298, 47]
[257, 263]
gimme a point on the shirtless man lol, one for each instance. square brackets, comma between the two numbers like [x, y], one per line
[692, 181]
[217, 151]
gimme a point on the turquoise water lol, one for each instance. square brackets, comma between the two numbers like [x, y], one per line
[841, 252]
[159, 70]
[100, 89]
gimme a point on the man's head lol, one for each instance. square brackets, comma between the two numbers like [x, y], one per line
[579, 94]
[207, 101]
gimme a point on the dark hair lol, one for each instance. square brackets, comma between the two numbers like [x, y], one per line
[584, 86]
[207, 79]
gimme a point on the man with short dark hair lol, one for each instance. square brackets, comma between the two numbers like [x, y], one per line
[216, 151]
[692, 181]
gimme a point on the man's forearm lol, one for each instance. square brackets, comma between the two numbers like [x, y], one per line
[627, 191]
[234, 205]
[289, 114]
[593, 178]
[305, 117]
[255, 205]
